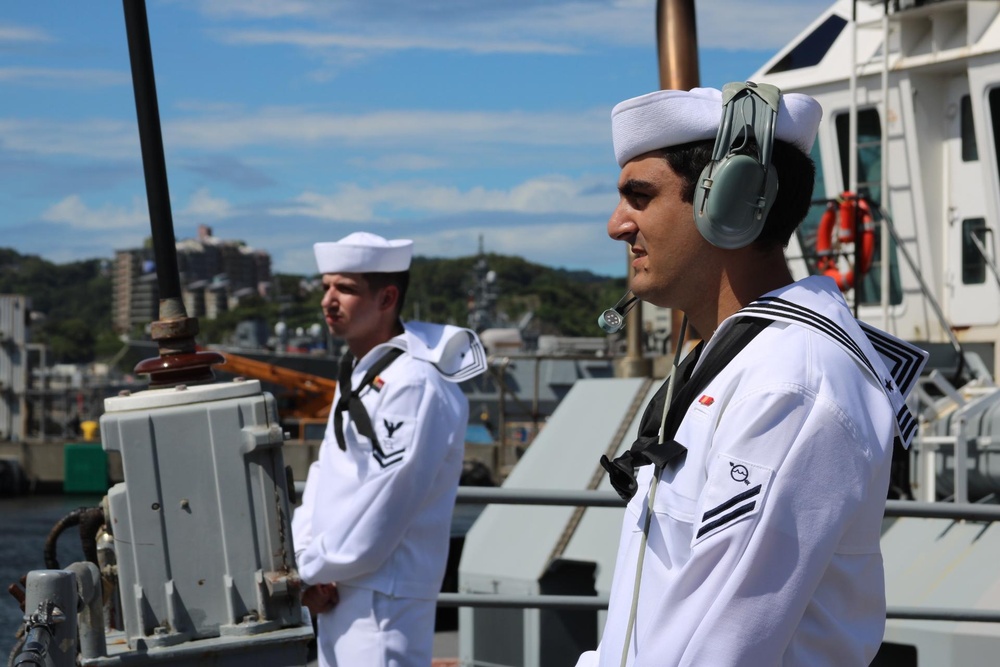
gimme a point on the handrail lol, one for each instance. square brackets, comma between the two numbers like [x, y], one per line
[600, 603]
[478, 495]
[893, 508]
[485, 495]
[579, 602]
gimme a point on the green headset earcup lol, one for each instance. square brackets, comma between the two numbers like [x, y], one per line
[726, 212]
[736, 190]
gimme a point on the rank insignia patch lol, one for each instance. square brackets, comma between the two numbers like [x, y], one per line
[395, 434]
[735, 492]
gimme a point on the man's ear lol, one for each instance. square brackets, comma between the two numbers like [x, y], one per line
[388, 297]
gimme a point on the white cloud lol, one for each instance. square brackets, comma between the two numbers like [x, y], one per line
[14, 33]
[350, 205]
[216, 107]
[203, 205]
[399, 162]
[386, 43]
[555, 27]
[284, 126]
[64, 78]
[554, 194]
[258, 9]
[93, 138]
[583, 24]
[74, 212]
[763, 25]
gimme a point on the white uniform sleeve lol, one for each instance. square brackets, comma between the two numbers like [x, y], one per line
[788, 477]
[423, 425]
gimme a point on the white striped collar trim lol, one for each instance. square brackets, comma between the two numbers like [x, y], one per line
[900, 362]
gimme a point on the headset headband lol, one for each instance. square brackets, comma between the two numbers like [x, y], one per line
[736, 97]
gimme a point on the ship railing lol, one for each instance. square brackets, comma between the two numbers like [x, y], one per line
[962, 410]
[477, 495]
[582, 498]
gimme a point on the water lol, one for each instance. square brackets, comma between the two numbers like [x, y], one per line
[25, 523]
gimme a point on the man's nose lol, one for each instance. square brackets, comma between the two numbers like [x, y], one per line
[620, 225]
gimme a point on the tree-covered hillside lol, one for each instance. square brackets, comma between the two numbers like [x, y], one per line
[563, 302]
[72, 302]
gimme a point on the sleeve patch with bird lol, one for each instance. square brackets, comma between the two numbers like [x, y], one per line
[395, 436]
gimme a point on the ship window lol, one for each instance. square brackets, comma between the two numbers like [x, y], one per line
[869, 151]
[869, 154]
[969, 151]
[995, 121]
[813, 47]
[973, 262]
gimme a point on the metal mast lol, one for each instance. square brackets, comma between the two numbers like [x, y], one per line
[174, 331]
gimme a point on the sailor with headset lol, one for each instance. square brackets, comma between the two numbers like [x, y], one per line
[755, 499]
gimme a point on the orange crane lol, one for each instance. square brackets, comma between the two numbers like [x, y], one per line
[309, 396]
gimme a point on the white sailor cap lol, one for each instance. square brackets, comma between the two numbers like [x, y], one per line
[362, 252]
[668, 118]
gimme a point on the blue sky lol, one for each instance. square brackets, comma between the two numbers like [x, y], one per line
[287, 122]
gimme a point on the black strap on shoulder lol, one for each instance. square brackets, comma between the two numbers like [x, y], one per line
[350, 398]
[647, 448]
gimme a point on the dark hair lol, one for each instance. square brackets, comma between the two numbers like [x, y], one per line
[401, 279]
[796, 176]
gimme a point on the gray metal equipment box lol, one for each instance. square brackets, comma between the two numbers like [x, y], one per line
[201, 525]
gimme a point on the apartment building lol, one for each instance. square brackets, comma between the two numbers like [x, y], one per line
[214, 274]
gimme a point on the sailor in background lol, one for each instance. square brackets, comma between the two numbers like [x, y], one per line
[752, 530]
[371, 536]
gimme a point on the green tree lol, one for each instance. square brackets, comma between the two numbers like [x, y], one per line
[69, 340]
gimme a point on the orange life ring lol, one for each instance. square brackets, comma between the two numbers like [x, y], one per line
[827, 262]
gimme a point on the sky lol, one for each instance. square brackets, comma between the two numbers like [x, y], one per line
[287, 122]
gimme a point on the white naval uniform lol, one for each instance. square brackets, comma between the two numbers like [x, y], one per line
[764, 544]
[376, 521]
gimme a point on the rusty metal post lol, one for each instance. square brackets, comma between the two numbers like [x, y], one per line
[677, 44]
[677, 47]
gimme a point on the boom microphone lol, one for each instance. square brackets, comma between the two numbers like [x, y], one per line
[612, 320]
